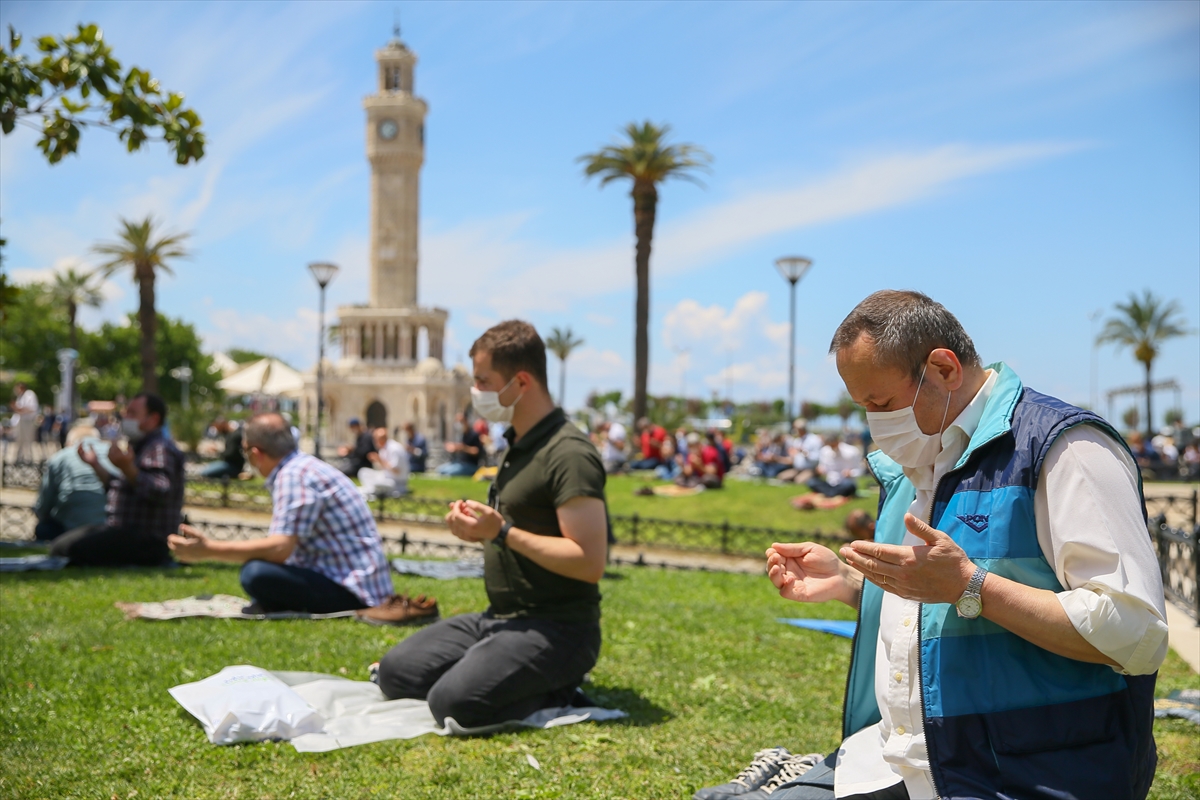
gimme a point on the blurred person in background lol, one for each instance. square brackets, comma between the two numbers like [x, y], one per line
[467, 455]
[145, 494]
[612, 450]
[356, 456]
[672, 462]
[388, 474]
[25, 407]
[71, 495]
[232, 460]
[838, 469]
[417, 447]
[650, 438]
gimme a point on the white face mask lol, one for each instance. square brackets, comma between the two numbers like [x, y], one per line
[900, 437]
[488, 405]
[131, 430]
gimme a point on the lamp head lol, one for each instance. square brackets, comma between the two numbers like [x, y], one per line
[792, 268]
[323, 272]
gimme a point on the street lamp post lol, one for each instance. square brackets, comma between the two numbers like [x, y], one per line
[323, 272]
[792, 268]
[66, 370]
[184, 375]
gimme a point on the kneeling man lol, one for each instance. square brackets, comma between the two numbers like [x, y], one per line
[322, 553]
[544, 541]
[1011, 611]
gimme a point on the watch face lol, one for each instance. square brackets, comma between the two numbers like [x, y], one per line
[388, 129]
[969, 607]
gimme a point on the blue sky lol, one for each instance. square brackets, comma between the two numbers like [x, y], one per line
[1025, 164]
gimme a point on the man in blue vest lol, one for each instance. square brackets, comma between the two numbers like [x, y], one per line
[1011, 611]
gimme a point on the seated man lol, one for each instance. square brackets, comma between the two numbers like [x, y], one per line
[775, 457]
[356, 456]
[543, 537]
[388, 477]
[72, 495]
[1011, 610]
[417, 447]
[467, 456]
[805, 450]
[145, 494]
[838, 469]
[704, 465]
[232, 460]
[322, 553]
[650, 437]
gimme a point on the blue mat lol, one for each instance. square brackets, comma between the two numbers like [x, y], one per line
[838, 627]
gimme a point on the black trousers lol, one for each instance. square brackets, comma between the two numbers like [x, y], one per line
[482, 671]
[102, 546]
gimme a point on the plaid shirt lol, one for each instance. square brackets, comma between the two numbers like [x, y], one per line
[151, 504]
[335, 533]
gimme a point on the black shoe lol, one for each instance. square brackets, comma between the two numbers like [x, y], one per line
[765, 766]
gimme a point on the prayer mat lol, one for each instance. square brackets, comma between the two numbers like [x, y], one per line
[838, 627]
[219, 606]
[31, 563]
[1182, 703]
[356, 712]
[441, 570]
[672, 490]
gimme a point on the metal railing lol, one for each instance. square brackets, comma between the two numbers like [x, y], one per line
[17, 524]
[1179, 559]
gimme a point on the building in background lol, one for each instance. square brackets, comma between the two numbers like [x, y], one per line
[391, 368]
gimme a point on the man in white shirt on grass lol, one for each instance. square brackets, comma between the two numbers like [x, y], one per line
[388, 477]
[26, 407]
[1011, 610]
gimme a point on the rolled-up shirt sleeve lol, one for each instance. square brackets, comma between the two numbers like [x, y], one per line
[1091, 530]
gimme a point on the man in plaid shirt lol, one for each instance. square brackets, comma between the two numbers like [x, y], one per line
[145, 498]
[322, 553]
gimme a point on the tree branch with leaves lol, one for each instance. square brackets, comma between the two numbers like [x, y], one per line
[76, 84]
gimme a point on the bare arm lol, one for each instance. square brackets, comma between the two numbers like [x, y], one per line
[189, 545]
[579, 553]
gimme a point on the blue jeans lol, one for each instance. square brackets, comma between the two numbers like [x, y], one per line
[817, 784]
[773, 468]
[280, 587]
[456, 469]
[48, 529]
[218, 469]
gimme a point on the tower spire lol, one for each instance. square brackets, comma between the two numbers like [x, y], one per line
[396, 24]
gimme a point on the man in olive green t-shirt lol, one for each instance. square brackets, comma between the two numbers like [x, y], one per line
[544, 536]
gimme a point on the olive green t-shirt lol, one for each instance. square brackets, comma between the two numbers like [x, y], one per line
[551, 464]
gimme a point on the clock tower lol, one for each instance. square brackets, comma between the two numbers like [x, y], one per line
[396, 150]
[391, 370]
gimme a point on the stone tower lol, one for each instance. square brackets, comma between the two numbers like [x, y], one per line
[396, 150]
[391, 369]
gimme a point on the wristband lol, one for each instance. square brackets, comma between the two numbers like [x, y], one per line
[501, 539]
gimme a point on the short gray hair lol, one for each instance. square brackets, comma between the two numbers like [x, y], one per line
[905, 328]
[270, 434]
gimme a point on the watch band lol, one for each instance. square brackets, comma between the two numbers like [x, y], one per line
[975, 585]
[501, 539]
[970, 605]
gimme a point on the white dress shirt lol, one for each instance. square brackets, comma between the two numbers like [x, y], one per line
[26, 405]
[1091, 531]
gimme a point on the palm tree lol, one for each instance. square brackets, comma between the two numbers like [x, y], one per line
[145, 255]
[647, 161]
[1143, 325]
[74, 289]
[561, 343]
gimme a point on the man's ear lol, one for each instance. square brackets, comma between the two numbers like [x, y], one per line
[948, 369]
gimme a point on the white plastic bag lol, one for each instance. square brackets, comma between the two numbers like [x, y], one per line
[247, 704]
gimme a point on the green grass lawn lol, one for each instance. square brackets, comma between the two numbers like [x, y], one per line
[697, 659]
[750, 503]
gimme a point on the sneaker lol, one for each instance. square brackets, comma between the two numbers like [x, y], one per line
[791, 769]
[373, 673]
[400, 609]
[764, 767]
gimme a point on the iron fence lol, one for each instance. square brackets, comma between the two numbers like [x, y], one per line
[1179, 559]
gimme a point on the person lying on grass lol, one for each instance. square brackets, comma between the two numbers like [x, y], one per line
[322, 553]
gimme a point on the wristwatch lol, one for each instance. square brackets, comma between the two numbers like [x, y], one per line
[970, 605]
[502, 537]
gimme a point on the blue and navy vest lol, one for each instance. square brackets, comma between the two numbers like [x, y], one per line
[1003, 717]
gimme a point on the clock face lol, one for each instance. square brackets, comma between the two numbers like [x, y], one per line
[388, 129]
[969, 607]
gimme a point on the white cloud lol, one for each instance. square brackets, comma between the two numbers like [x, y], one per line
[600, 319]
[762, 374]
[689, 323]
[489, 264]
[293, 339]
